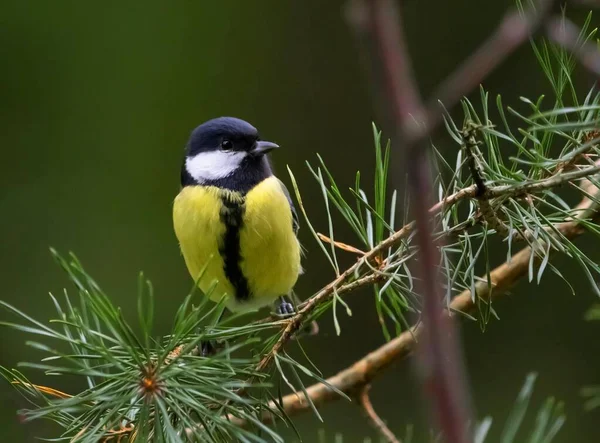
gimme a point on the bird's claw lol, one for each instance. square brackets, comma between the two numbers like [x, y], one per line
[207, 348]
[284, 308]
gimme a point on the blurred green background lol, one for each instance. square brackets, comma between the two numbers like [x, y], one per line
[98, 99]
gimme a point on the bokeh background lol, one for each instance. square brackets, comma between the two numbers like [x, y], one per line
[98, 99]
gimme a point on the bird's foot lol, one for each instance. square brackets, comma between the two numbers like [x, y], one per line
[207, 348]
[210, 348]
[284, 308]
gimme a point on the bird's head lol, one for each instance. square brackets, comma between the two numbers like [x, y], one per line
[222, 148]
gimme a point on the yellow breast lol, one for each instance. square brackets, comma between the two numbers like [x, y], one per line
[269, 250]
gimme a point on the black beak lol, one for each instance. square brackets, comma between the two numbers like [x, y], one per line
[262, 147]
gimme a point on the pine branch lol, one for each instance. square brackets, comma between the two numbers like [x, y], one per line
[360, 374]
[340, 285]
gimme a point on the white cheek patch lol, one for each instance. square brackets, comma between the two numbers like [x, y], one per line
[213, 165]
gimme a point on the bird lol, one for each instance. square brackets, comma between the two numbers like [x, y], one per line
[235, 220]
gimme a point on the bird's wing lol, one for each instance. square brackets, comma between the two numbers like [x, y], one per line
[295, 221]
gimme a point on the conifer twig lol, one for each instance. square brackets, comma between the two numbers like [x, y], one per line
[352, 379]
[476, 166]
[450, 399]
[340, 285]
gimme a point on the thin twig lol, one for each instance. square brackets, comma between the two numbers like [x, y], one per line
[540, 185]
[376, 421]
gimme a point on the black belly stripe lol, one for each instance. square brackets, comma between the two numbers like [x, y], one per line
[232, 215]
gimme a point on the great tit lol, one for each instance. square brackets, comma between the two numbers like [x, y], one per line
[235, 221]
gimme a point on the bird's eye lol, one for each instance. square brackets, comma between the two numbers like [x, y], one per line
[226, 145]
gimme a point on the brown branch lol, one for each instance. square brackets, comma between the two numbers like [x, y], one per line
[442, 367]
[514, 30]
[400, 86]
[443, 370]
[365, 402]
[352, 379]
[441, 362]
